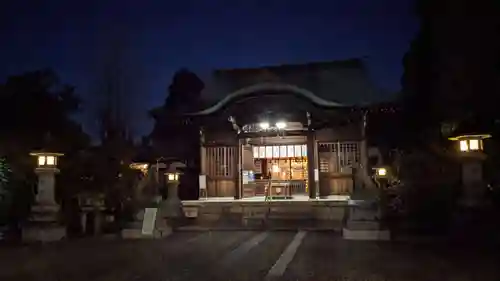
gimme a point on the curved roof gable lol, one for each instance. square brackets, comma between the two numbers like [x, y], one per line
[268, 87]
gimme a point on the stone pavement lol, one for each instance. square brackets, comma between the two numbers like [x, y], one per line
[246, 255]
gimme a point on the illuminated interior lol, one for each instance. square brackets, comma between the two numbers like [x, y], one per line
[281, 162]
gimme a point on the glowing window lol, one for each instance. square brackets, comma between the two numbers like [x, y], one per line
[51, 160]
[41, 160]
[290, 151]
[463, 145]
[269, 152]
[283, 151]
[262, 152]
[276, 152]
[297, 151]
[474, 144]
[255, 152]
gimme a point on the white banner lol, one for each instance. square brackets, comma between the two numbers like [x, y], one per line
[203, 181]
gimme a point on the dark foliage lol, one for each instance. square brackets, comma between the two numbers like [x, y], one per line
[173, 135]
[35, 114]
[452, 68]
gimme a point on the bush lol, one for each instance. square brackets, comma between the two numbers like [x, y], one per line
[5, 190]
[429, 208]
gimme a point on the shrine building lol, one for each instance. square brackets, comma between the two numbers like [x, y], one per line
[283, 132]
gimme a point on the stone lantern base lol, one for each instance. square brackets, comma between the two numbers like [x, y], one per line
[43, 225]
[363, 218]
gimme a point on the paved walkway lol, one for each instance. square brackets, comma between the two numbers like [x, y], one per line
[244, 255]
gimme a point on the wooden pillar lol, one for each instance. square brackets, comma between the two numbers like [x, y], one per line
[310, 164]
[203, 154]
[237, 172]
[203, 163]
[364, 173]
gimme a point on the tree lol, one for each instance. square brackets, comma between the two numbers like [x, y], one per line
[5, 190]
[171, 129]
[451, 70]
[173, 135]
[114, 96]
[35, 114]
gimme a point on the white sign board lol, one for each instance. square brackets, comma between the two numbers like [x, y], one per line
[148, 223]
[245, 177]
[203, 181]
[316, 175]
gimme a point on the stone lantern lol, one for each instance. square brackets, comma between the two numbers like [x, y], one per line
[382, 174]
[147, 223]
[172, 207]
[470, 149]
[364, 214]
[43, 225]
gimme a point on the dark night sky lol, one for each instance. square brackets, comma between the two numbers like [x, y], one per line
[162, 36]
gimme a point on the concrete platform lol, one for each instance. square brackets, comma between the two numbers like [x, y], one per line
[256, 213]
[132, 233]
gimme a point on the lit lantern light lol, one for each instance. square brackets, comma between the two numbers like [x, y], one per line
[140, 166]
[172, 176]
[173, 173]
[46, 160]
[381, 172]
[264, 125]
[281, 125]
[470, 143]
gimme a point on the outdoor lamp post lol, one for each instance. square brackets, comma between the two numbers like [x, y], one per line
[43, 225]
[470, 150]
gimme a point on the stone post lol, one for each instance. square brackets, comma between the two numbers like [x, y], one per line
[148, 222]
[472, 182]
[44, 223]
[471, 152]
